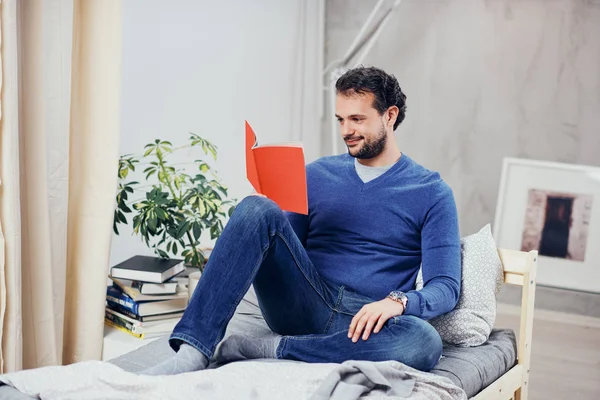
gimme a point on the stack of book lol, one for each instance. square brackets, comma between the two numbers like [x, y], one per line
[146, 299]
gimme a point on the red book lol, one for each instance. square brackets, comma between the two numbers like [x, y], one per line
[277, 171]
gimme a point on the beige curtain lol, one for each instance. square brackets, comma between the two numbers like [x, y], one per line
[61, 67]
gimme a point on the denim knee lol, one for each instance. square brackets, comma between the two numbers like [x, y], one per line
[257, 208]
[423, 342]
[433, 342]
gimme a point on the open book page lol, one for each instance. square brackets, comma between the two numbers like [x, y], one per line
[278, 172]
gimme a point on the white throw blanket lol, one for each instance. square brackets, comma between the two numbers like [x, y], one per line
[250, 379]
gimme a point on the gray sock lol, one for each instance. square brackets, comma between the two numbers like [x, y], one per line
[187, 359]
[238, 347]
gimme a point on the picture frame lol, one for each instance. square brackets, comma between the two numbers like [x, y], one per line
[553, 208]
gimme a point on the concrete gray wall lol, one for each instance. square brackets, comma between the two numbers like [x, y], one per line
[485, 80]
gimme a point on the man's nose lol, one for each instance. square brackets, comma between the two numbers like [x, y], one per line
[346, 129]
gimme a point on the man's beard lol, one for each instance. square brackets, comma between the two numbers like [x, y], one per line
[370, 147]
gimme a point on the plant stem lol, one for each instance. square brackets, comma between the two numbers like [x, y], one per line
[179, 205]
[161, 163]
[194, 250]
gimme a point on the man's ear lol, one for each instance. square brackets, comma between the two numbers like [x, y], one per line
[392, 115]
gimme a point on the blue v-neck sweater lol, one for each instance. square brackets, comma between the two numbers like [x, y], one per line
[373, 237]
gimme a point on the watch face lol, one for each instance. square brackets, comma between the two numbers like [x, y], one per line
[397, 295]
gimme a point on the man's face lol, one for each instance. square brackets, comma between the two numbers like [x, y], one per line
[362, 128]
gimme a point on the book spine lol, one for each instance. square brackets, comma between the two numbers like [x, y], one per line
[121, 328]
[120, 321]
[140, 286]
[120, 309]
[116, 296]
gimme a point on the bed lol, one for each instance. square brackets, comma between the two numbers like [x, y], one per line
[498, 369]
[520, 269]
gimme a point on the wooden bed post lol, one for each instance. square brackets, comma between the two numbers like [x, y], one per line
[519, 269]
[526, 325]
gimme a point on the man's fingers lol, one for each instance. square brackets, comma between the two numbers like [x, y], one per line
[354, 322]
[372, 320]
[382, 320]
[359, 327]
[352, 326]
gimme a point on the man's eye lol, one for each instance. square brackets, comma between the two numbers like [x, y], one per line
[357, 119]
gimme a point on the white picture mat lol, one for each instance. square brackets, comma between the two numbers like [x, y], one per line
[518, 176]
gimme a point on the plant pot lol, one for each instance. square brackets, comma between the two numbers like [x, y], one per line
[193, 279]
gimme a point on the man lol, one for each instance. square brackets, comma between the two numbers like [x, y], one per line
[336, 284]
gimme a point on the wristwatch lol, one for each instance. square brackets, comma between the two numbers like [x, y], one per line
[398, 296]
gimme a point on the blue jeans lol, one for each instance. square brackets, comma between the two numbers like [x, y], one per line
[258, 245]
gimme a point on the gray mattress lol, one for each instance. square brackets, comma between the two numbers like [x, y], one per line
[471, 368]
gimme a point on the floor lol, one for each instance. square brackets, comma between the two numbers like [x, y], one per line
[565, 362]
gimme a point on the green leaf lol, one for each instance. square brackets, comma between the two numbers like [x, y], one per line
[230, 211]
[162, 253]
[182, 229]
[197, 230]
[175, 248]
[161, 198]
[152, 223]
[137, 220]
[122, 217]
[212, 149]
[204, 167]
[162, 214]
[201, 207]
[217, 198]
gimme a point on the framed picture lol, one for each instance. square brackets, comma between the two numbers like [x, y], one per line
[553, 208]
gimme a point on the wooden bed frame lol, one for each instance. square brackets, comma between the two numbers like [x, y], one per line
[519, 269]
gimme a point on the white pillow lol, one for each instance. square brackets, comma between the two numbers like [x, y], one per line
[472, 320]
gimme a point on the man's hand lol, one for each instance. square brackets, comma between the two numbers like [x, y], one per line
[373, 315]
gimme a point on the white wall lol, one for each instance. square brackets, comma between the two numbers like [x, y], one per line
[485, 80]
[205, 67]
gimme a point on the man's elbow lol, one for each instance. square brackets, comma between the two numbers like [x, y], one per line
[451, 290]
[454, 286]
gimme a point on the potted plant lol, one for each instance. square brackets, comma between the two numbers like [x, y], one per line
[176, 207]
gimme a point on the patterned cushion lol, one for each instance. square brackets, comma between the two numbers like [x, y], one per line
[472, 320]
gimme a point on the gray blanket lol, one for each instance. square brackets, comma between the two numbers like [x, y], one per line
[256, 379]
[93, 380]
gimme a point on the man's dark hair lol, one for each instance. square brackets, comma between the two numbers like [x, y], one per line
[384, 87]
